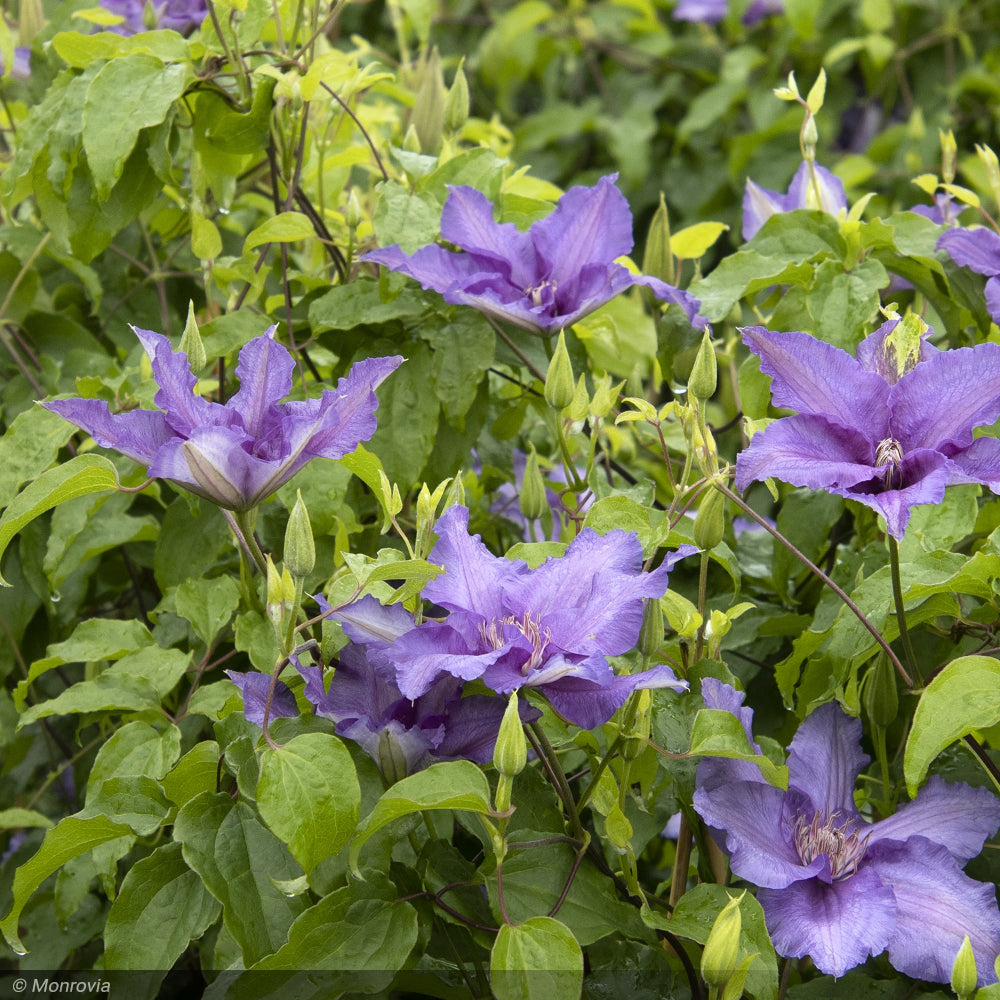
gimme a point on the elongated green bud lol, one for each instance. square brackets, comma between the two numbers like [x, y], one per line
[710, 521]
[964, 975]
[353, 213]
[191, 342]
[391, 758]
[989, 160]
[411, 141]
[658, 261]
[580, 405]
[704, 376]
[720, 958]
[880, 698]
[532, 500]
[456, 105]
[510, 755]
[559, 382]
[300, 549]
[428, 106]
[810, 136]
[280, 593]
[949, 155]
[651, 633]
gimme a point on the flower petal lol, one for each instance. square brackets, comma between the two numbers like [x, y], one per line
[136, 433]
[807, 451]
[826, 195]
[373, 624]
[759, 204]
[472, 726]
[434, 267]
[588, 226]
[213, 464]
[937, 905]
[977, 249]
[877, 352]
[956, 816]
[838, 924]
[825, 759]
[979, 463]
[475, 578]
[814, 377]
[265, 374]
[254, 688]
[938, 403]
[176, 396]
[757, 818]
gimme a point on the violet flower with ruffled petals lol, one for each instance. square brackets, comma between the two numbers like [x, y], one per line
[713, 11]
[237, 454]
[254, 688]
[182, 16]
[826, 195]
[551, 628]
[837, 888]
[979, 250]
[890, 429]
[544, 279]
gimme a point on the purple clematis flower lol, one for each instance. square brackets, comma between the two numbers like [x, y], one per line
[713, 11]
[759, 203]
[979, 250]
[544, 279]
[182, 16]
[402, 735]
[254, 688]
[836, 887]
[238, 454]
[890, 429]
[550, 628]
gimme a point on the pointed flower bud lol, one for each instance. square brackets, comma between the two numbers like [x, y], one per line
[390, 757]
[989, 160]
[720, 958]
[559, 384]
[964, 976]
[880, 698]
[705, 371]
[280, 593]
[300, 549]
[810, 136]
[411, 141]
[949, 155]
[580, 406]
[510, 755]
[658, 261]
[532, 500]
[456, 105]
[651, 633]
[353, 213]
[710, 521]
[428, 106]
[191, 342]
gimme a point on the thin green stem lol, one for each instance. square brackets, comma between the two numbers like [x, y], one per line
[598, 771]
[545, 750]
[897, 596]
[839, 591]
[699, 647]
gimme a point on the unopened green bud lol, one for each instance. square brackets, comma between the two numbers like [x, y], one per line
[300, 549]
[636, 740]
[580, 405]
[964, 975]
[390, 758]
[705, 371]
[411, 141]
[949, 155]
[658, 261]
[989, 160]
[428, 106]
[605, 395]
[353, 213]
[720, 958]
[651, 633]
[191, 342]
[280, 593]
[559, 384]
[532, 500]
[710, 521]
[456, 106]
[510, 755]
[810, 136]
[30, 21]
[880, 698]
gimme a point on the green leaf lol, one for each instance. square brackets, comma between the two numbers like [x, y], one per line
[463, 351]
[108, 693]
[196, 772]
[29, 447]
[161, 908]
[285, 227]
[69, 839]
[537, 960]
[720, 734]
[137, 749]
[457, 784]
[128, 94]
[207, 604]
[308, 794]
[360, 303]
[411, 220]
[77, 477]
[16, 818]
[963, 697]
[237, 858]
[136, 801]
[692, 242]
[343, 932]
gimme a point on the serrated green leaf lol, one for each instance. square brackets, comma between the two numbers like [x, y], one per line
[963, 697]
[308, 794]
[77, 477]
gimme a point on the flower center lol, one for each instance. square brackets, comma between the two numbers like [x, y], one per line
[842, 844]
[529, 626]
[543, 293]
[889, 454]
